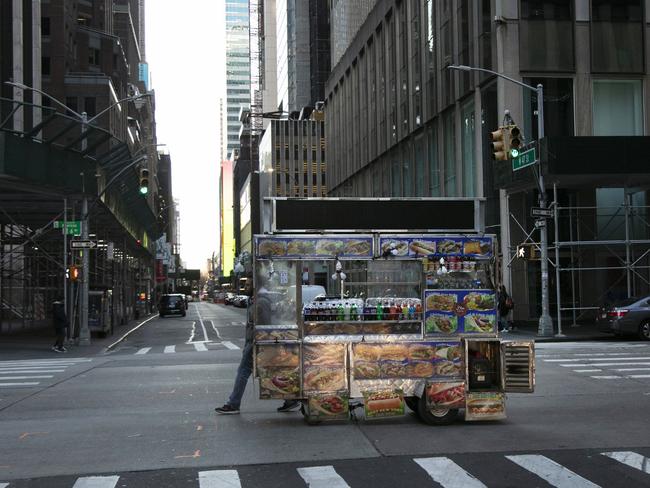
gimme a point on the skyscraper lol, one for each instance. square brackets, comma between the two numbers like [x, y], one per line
[237, 67]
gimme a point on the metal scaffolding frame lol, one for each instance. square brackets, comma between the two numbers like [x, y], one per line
[589, 238]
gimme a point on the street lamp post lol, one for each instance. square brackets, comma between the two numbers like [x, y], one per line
[545, 327]
[84, 331]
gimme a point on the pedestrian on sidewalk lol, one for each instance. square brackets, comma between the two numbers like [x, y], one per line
[61, 323]
[245, 368]
[505, 306]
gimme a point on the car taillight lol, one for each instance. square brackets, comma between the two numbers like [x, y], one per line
[617, 314]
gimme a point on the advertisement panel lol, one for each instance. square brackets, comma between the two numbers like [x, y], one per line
[450, 312]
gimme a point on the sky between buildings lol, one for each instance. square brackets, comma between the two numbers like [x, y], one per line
[185, 47]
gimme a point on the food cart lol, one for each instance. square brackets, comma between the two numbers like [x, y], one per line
[408, 319]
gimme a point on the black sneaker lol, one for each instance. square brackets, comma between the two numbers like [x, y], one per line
[227, 410]
[289, 406]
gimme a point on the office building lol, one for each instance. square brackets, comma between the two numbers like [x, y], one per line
[401, 124]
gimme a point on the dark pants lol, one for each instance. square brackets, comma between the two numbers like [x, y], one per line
[60, 337]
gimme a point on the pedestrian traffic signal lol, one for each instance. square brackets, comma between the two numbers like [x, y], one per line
[499, 144]
[72, 273]
[514, 141]
[144, 181]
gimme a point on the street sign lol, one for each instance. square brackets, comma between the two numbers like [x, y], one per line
[541, 212]
[540, 223]
[83, 244]
[73, 227]
[525, 159]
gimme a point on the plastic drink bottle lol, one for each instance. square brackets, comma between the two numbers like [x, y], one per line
[380, 311]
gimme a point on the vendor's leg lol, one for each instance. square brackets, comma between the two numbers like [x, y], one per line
[243, 372]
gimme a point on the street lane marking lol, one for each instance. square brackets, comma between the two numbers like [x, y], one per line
[193, 331]
[4, 485]
[610, 377]
[169, 349]
[200, 347]
[2, 385]
[322, 477]
[447, 473]
[632, 459]
[644, 358]
[631, 369]
[130, 332]
[16, 371]
[97, 482]
[205, 333]
[144, 350]
[603, 364]
[553, 473]
[229, 345]
[587, 370]
[25, 377]
[53, 362]
[222, 478]
[215, 329]
[639, 376]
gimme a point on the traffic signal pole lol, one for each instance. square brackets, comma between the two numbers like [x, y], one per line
[545, 325]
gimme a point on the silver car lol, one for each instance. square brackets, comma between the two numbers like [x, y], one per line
[630, 316]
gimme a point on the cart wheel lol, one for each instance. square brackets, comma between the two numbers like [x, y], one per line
[309, 421]
[412, 403]
[431, 416]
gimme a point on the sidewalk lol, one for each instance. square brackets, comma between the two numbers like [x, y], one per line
[37, 341]
[584, 332]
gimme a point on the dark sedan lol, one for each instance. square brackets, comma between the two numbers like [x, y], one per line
[172, 304]
[626, 317]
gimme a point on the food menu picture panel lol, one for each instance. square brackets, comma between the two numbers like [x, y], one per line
[265, 333]
[324, 367]
[329, 406]
[412, 360]
[448, 312]
[485, 406]
[449, 394]
[315, 247]
[413, 246]
[383, 403]
[278, 368]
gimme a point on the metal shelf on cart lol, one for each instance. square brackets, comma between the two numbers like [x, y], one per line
[369, 322]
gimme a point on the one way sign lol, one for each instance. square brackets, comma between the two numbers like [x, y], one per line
[83, 244]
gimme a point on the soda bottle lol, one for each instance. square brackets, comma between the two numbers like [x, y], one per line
[405, 311]
[418, 310]
[340, 312]
[380, 311]
[354, 315]
[394, 311]
[346, 311]
[411, 311]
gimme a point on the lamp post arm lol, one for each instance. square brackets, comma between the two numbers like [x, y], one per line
[60, 104]
[127, 99]
[471, 68]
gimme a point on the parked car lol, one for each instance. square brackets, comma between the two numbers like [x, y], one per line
[173, 303]
[630, 316]
[229, 298]
[240, 301]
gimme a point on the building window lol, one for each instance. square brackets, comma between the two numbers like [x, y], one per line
[45, 66]
[465, 43]
[420, 170]
[617, 36]
[93, 57]
[416, 64]
[431, 58]
[434, 162]
[90, 106]
[396, 176]
[546, 35]
[558, 107]
[449, 135]
[45, 26]
[617, 108]
[485, 36]
[71, 103]
[447, 53]
[467, 147]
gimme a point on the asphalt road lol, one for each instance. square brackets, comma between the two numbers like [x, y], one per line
[142, 415]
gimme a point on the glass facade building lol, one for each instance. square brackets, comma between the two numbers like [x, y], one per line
[237, 68]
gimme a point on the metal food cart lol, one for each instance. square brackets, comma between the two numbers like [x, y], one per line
[407, 319]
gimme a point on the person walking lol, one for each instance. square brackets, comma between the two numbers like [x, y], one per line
[505, 305]
[61, 323]
[245, 369]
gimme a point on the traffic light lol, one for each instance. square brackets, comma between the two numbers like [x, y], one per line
[72, 273]
[514, 140]
[144, 181]
[499, 144]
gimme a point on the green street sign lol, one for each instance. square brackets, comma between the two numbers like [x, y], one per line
[73, 227]
[526, 158]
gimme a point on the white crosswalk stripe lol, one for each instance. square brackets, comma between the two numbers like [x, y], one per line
[230, 345]
[200, 347]
[34, 369]
[143, 350]
[632, 459]
[605, 362]
[170, 349]
[322, 477]
[97, 482]
[447, 473]
[4, 485]
[553, 473]
[225, 478]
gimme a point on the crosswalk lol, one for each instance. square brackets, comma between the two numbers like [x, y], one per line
[34, 372]
[632, 364]
[201, 346]
[632, 468]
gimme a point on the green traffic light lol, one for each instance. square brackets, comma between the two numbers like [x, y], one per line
[144, 190]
